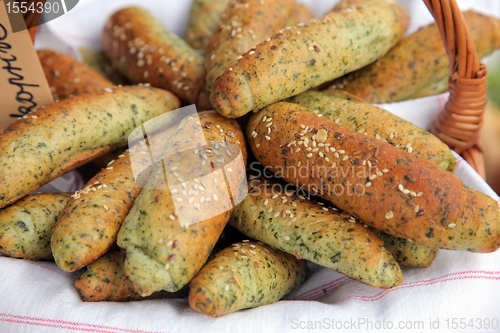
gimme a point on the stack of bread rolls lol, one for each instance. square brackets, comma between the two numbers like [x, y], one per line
[355, 188]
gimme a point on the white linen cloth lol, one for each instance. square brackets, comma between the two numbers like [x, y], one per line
[457, 288]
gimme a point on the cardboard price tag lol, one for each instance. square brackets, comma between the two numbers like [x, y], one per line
[23, 86]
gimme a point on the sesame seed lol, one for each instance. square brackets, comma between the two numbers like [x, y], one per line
[266, 202]
[368, 184]
[417, 208]
[178, 199]
[105, 207]
[309, 155]
[167, 266]
[401, 187]
[286, 238]
[277, 214]
[420, 194]
[406, 191]
[372, 177]
[389, 215]
[452, 225]
[268, 138]
[385, 171]
[226, 287]
[345, 158]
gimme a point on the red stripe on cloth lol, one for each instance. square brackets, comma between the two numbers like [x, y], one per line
[445, 278]
[65, 324]
[309, 293]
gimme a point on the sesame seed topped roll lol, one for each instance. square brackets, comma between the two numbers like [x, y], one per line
[312, 231]
[59, 137]
[66, 76]
[89, 223]
[185, 205]
[367, 119]
[299, 58]
[244, 24]
[246, 275]
[146, 52]
[383, 186]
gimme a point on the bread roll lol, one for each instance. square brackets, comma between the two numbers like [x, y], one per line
[377, 123]
[245, 275]
[62, 136]
[385, 187]
[145, 51]
[171, 230]
[104, 281]
[310, 231]
[26, 226]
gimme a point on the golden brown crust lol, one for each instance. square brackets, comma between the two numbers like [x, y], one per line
[58, 137]
[418, 63]
[390, 189]
[170, 232]
[147, 52]
[66, 76]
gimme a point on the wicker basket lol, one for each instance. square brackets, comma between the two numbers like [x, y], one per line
[459, 124]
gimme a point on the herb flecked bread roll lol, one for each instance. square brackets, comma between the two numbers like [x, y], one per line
[203, 19]
[104, 281]
[67, 76]
[299, 58]
[244, 24]
[406, 252]
[89, 224]
[377, 123]
[62, 136]
[171, 230]
[417, 63]
[145, 51]
[26, 226]
[316, 233]
[383, 186]
[246, 275]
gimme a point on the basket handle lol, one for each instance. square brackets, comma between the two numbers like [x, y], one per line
[459, 124]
